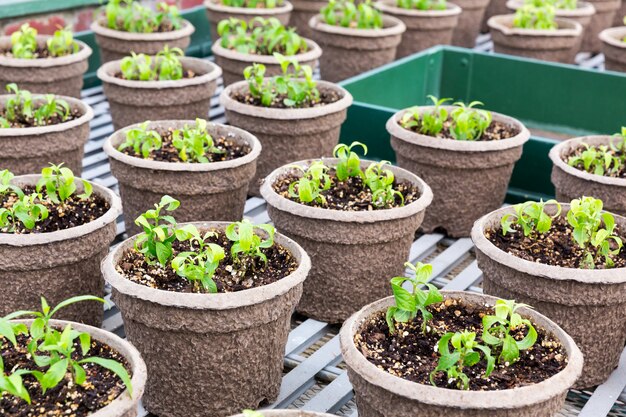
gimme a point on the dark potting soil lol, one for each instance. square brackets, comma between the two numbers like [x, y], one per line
[555, 247]
[186, 75]
[230, 276]
[349, 195]
[410, 354]
[66, 399]
[327, 96]
[23, 121]
[229, 149]
[495, 131]
[73, 212]
[618, 173]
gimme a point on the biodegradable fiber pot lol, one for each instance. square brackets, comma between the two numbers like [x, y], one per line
[303, 11]
[289, 413]
[116, 44]
[216, 12]
[228, 347]
[603, 19]
[467, 30]
[468, 178]
[350, 51]
[206, 191]
[137, 101]
[571, 183]
[287, 134]
[380, 394]
[62, 75]
[424, 28]
[620, 14]
[58, 265]
[587, 304]
[233, 63]
[353, 253]
[614, 48]
[494, 8]
[559, 45]
[27, 150]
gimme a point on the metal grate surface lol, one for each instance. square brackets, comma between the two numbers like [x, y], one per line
[315, 377]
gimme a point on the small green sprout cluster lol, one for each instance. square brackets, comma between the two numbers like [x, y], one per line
[20, 107]
[592, 229]
[531, 17]
[466, 122]
[251, 413]
[62, 43]
[198, 265]
[261, 37]
[607, 160]
[165, 65]
[295, 88]
[53, 350]
[466, 348]
[253, 4]
[24, 43]
[557, 4]
[132, 16]
[422, 4]
[345, 13]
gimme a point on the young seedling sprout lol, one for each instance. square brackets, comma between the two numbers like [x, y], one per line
[193, 143]
[531, 17]
[252, 4]
[199, 264]
[24, 42]
[62, 43]
[20, 108]
[261, 36]
[247, 244]
[469, 123]
[159, 232]
[530, 216]
[349, 164]
[346, 14]
[60, 184]
[429, 122]
[314, 180]
[598, 160]
[142, 140]
[380, 181]
[5, 184]
[165, 66]
[26, 211]
[132, 16]
[422, 4]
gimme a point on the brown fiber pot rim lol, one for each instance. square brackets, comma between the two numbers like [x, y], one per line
[85, 109]
[288, 413]
[582, 9]
[123, 404]
[113, 141]
[614, 36]
[106, 73]
[32, 239]
[281, 203]
[83, 53]
[394, 129]
[585, 276]
[313, 52]
[392, 26]
[565, 27]
[220, 301]
[285, 114]
[564, 148]
[252, 11]
[387, 6]
[504, 399]
[183, 32]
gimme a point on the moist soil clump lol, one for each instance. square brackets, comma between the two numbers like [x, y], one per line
[228, 148]
[620, 154]
[24, 122]
[66, 399]
[349, 195]
[327, 96]
[495, 131]
[71, 213]
[556, 247]
[410, 354]
[231, 275]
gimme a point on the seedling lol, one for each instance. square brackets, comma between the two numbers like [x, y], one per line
[346, 14]
[599, 160]
[131, 16]
[24, 42]
[314, 180]
[246, 243]
[380, 182]
[466, 353]
[253, 4]
[557, 4]
[142, 140]
[261, 37]
[20, 106]
[422, 4]
[469, 123]
[60, 184]
[410, 303]
[497, 331]
[158, 232]
[429, 122]
[349, 164]
[531, 217]
[25, 211]
[5, 184]
[620, 145]
[51, 107]
[193, 143]
[200, 263]
[531, 17]
[62, 43]
[165, 66]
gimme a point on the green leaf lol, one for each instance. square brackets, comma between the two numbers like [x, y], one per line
[115, 367]
[54, 375]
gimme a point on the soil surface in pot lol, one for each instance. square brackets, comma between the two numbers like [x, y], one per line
[327, 96]
[39, 53]
[230, 276]
[496, 131]
[228, 149]
[22, 121]
[617, 170]
[66, 399]
[351, 194]
[556, 247]
[410, 354]
[71, 213]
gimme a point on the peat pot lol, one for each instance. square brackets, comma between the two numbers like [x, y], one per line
[116, 44]
[58, 265]
[494, 8]
[468, 28]
[559, 45]
[137, 101]
[620, 14]
[29, 149]
[229, 346]
[380, 394]
[206, 191]
[424, 28]
[350, 51]
[216, 12]
[289, 413]
[468, 178]
[571, 183]
[587, 304]
[603, 19]
[614, 48]
[62, 75]
[353, 253]
[287, 135]
[233, 62]
[303, 11]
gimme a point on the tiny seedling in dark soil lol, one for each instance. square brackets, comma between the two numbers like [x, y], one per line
[531, 17]
[253, 4]
[166, 65]
[22, 109]
[422, 4]
[132, 16]
[260, 36]
[346, 13]
[24, 44]
[606, 160]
